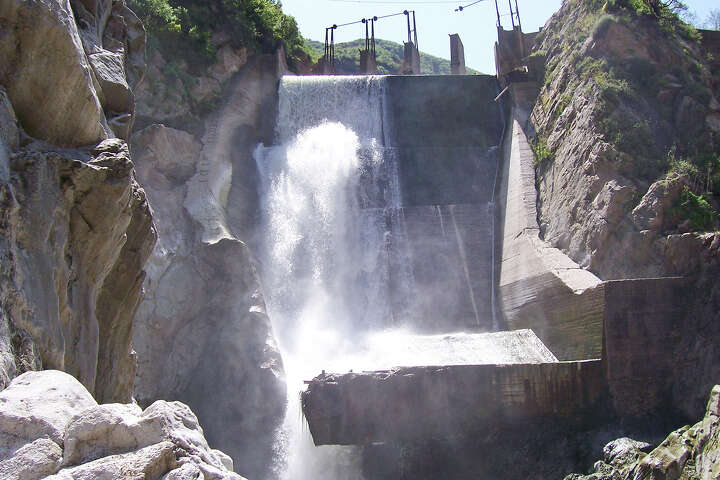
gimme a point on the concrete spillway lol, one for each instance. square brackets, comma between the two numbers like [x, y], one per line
[380, 202]
[444, 133]
[376, 214]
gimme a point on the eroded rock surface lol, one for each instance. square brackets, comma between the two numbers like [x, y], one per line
[690, 452]
[51, 427]
[203, 325]
[66, 66]
[76, 231]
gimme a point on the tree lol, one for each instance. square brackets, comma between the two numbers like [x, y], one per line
[713, 19]
[659, 7]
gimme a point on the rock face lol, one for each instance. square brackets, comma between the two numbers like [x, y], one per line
[203, 326]
[52, 428]
[690, 452]
[619, 93]
[69, 66]
[76, 230]
[176, 93]
[598, 194]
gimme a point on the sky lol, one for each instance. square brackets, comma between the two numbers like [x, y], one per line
[435, 20]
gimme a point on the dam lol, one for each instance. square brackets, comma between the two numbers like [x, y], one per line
[410, 289]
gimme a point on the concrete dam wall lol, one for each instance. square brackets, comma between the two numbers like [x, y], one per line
[444, 133]
[410, 202]
[449, 179]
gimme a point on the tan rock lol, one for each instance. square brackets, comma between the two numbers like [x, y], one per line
[205, 89]
[228, 61]
[47, 74]
[79, 232]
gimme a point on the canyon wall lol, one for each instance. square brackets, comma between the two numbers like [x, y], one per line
[623, 124]
[77, 228]
[76, 232]
[203, 325]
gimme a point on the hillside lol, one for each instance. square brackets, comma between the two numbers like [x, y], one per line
[389, 57]
[627, 131]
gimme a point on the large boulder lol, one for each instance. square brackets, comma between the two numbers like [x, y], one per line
[39, 405]
[52, 428]
[66, 66]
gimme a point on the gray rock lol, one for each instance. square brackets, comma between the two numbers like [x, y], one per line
[47, 74]
[32, 461]
[50, 425]
[39, 405]
[109, 70]
[203, 324]
[59, 94]
[77, 231]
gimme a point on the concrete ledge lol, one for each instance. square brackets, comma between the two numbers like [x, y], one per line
[643, 322]
[539, 286]
[417, 402]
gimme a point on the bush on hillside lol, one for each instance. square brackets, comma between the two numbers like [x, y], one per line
[259, 25]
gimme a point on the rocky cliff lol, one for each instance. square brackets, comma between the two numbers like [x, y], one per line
[203, 326]
[627, 154]
[76, 230]
[76, 225]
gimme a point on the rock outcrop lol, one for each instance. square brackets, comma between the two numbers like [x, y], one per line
[69, 67]
[52, 428]
[76, 230]
[76, 227]
[610, 134]
[203, 325]
[690, 452]
[623, 104]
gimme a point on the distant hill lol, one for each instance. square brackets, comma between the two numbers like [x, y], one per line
[389, 57]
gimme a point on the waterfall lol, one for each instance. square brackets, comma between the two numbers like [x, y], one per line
[349, 270]
[329, 199]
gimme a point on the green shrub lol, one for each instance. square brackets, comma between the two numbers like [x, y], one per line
[562, 104]
[697, 209]
[602, 24]
[188, 25]
[541, 150]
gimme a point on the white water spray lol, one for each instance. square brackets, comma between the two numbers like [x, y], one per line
[324, 264]
[337, 263]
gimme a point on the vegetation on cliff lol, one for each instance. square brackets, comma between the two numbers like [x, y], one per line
[188, 26]
[389, 57]
[637, 74]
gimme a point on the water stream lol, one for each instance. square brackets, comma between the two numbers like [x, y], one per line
[329, 196]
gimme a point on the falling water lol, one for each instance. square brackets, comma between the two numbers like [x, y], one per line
[330, 197]
[337, 266]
